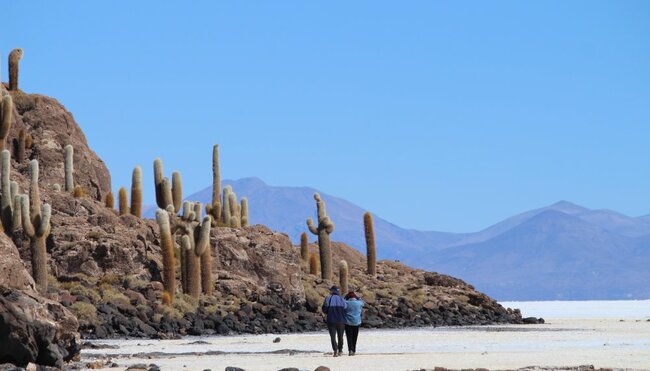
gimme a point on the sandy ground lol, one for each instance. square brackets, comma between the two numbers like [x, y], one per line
[560, 342]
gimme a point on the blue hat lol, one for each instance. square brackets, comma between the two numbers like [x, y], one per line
[334, 290]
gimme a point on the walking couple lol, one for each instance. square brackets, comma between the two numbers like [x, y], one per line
[343, 315]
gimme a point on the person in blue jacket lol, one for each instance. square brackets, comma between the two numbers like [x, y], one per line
[352, 320]
[334, 306]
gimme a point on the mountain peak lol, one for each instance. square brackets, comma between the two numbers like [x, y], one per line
[567, 207]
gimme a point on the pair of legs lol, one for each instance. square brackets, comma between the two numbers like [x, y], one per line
[336, 333]
[351, 333]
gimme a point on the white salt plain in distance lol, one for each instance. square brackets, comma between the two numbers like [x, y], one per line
[592, 309]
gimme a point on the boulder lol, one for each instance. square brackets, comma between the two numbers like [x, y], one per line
[34, 329]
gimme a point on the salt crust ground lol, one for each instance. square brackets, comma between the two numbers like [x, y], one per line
[617, 341]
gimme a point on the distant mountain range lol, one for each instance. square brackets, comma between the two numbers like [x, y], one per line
[559, 252]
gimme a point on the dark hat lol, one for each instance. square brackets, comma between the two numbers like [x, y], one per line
[334, 289]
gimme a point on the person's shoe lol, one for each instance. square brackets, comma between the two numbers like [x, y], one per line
[336, 354]
[350, 353]
[353, 353]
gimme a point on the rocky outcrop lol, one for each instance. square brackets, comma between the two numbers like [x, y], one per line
[52, 127]
[36, 330]
[32, 328]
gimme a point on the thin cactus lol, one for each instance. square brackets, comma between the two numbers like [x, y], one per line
[20, 147]
[14, 59]
[225, 212]
[36, 224]
[6, 118]
[69, 168]
[136, 192]
[323, 230]
[215, 208]
[7, 200]
[343, 276]
[244, 212]
[167, 246]
[123, 202]
[371, 250]
[177, 190]
[304, 247]
[314, 264]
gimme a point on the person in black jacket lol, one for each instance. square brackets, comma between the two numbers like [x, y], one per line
[334, 306]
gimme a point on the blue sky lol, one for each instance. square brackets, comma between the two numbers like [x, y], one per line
[434, 115]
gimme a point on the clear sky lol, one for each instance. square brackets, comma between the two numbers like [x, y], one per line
[434, 115]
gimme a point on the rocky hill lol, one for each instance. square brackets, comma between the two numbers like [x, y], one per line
[559, 252]
[106, 270]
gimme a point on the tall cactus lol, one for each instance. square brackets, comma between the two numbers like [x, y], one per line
[214, 209]
[136, 192]
[304, 247]
[244, 212]
[36, 224]
[169, 261]
[371, 251]
[7, 200]
[323, 230]
[69, 168]
[6, 118]
[167, 193]
[14, 59]
[343, 276]
[123, 202]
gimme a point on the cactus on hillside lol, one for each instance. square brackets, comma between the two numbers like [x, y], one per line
[225, 206]
[109, 201]
[36, 224]
[304, 247]
[68, 166]
[196, 266]
[323, 230]
[167, 193]
[214, 209]
[122, 201]
[235, 218]
[136, 192]
[313, 264]
[14, 59]
[19, 146]
[6, 118]
[7, 200]
[343, 276]
[371, 251]
[169, 261]
[244, 212]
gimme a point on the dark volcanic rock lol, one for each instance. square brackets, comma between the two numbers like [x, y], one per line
[33, 329]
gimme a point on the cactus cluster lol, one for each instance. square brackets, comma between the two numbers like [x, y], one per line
[323, 230]
[196, 256]
[14, 59]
